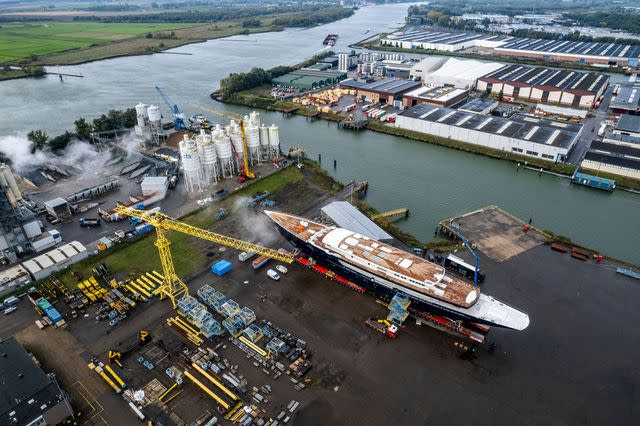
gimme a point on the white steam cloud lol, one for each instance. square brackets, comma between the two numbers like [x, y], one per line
[261, 227]
[18, 150]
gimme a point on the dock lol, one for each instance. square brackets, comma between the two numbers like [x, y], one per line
[289, 111]
[353, 124]
[392, 214]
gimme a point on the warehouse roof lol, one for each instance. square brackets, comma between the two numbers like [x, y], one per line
[390, 86]
[532, 129]
[479, 105]
[627, 139]
[628, 123]
[441, 37]
[616, 150]
[576, 48]
[345, 215]
[436, 93]
[12, 274]
[462, 69]
[624, 162]
[628, 97]
[576, 82]
[26, 392]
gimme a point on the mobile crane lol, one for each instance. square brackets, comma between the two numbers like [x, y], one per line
[245, 173]
[173, 287]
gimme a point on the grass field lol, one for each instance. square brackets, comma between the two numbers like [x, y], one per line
[141, 255]
[21, 40]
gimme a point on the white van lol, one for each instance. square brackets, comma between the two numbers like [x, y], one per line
[273, 275]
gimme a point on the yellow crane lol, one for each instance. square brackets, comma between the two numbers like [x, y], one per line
[173, 287]
[240, 119]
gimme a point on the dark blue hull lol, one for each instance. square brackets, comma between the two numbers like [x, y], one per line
[380, 291]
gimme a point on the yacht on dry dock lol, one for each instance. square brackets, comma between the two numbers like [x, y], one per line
[386, 270]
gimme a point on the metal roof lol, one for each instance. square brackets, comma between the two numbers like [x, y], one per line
[26, 392]
[574, 48]
[347, 216]
[532, 129]
[391, 86]
[628, 123]
[479, 105]
[628, 97]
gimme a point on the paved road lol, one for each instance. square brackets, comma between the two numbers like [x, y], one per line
[591, 126]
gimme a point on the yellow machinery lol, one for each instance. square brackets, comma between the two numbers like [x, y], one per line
[172, 286]
[240, 119]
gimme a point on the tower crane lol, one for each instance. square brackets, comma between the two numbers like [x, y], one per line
[175, 111]
[240, 119]
[173, 287]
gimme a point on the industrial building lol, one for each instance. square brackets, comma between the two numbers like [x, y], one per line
[55, 260]
[18, 222]
[446, 96]
[309, 79]
[385, 91]
[619, 139]
[347, 61]
[480, 106]
[445, 41]
[13, 278]
[608, 54]
[627, 100]
[28, 396]
[619, 159]
[628, 125]
[538, 84]
[345, 215]
[461, 73]
[526, 135]
[611, 54]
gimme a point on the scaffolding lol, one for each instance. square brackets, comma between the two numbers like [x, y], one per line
[398, 308]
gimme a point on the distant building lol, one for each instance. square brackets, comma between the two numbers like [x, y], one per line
[546, 85]
[446, 96]
[28, 396]
[385, 91]
[615, 158]
[627, 101]
[461, 73]
[309, 79]
[480, 106]
[347, 61]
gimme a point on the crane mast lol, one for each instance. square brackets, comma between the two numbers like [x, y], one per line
[173, 287]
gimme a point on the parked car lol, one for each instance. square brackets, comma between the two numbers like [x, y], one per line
[282, 269]
[273, 275]
[10, 309]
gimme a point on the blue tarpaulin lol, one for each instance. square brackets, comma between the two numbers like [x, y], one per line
[221, 267]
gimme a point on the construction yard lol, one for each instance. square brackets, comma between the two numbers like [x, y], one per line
[357, 376]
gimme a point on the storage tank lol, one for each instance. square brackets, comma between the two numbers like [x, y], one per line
[274, 141]
[222, 144]
[141, 114]
[252, 133]
[234, 132]
[191, 164]
[155, 117]
[264, 136]
[208, 157]
[8, 182]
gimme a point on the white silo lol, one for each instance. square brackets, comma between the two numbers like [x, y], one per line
[222, 144]
[141, 114]
[155, 117]
[264, 142]
[252, 133]
[235, 134]
[274, 141]
[208, 157]
[191, 164]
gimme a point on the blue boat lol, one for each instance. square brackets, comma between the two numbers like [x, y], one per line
[593, 181]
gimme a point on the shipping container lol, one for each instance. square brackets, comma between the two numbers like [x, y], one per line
[259, 262]
[222, 267]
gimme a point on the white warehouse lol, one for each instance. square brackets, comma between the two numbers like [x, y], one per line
[56, 260]
[531, 136]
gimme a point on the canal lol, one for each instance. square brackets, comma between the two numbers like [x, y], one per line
[433, 182]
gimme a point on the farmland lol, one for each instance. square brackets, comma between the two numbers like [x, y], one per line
[25, 40]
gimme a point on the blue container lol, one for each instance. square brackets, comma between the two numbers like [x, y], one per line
[53, 314]
[221, 267]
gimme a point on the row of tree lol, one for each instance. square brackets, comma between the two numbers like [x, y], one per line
[113, 120]
[307, 19]
[627, 19]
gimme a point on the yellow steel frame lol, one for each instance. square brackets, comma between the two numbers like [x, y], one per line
[173, 287]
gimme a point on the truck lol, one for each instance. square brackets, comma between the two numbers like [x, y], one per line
[47, 309]
[245, 255]
[90, 222]
[259, 262]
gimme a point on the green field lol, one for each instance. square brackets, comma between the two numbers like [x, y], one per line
[21, 40]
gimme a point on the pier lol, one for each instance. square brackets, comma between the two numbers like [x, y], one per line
[392, 214]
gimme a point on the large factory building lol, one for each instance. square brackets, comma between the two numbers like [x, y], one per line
[385, 91]
[536, 137]
[538, 84]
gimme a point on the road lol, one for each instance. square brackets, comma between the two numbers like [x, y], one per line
[590, 130]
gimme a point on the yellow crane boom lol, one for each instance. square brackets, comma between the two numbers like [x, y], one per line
[173, 287]
[240, 119]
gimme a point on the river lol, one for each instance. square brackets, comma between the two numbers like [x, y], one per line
[433, 182]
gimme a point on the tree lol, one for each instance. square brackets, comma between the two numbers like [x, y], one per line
[486, 22]
[38, 140]
[60, 142]
[443, 21]
[83, 129]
